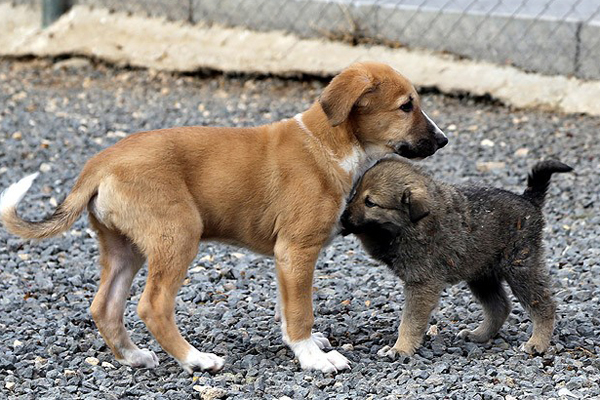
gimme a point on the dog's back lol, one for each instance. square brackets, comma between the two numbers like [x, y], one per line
[509, 221]
[503, 226]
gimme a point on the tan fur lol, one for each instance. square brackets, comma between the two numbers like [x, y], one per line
[274, 189]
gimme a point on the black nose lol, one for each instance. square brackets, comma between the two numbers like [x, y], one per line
[441, 140]
[344, 218]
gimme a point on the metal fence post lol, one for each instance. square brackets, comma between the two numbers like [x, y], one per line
[52, 10]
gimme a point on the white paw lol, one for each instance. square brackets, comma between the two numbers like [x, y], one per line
[320, 340]
[312, 357]
[388, 352]
[139, 358]
[393, 352]
[203, 361]
[533, 347]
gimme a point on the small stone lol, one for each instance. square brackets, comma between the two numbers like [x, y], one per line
[17, 343]
[451, 127]
[92, 361]
[210, 393]
[108, 365]
[70, 372]
[566, 392]
[72, 63]
[17, 135]
[347, 347]
[45, 167]
[9, 385]
[39, 362]
[487, 143]
[24, 257]
[433, 330]
[522, 152]
[490, 166]
[116, 134]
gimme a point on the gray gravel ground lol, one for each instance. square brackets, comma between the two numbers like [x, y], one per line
[53, 119]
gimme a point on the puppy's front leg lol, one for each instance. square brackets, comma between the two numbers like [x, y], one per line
[420, 301]
[295, 268]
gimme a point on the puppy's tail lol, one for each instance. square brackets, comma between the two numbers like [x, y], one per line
[63, 217]
[539, 179]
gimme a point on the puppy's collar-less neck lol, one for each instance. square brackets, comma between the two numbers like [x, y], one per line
[298, 118]
[355, 163]
[300, 122]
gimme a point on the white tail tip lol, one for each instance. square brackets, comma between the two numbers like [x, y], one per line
[15, 193]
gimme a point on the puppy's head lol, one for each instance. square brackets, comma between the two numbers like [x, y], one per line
[392, 197]
[383, 111]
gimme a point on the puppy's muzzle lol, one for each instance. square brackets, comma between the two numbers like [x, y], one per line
[440, 139]
[423, 148]
[347, 227]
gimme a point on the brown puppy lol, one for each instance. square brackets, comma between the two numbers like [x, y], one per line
[277, 189]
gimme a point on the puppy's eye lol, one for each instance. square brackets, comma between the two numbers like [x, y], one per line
[369, 203]
[407, 107]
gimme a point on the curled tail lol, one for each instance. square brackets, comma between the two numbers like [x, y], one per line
[539, 179]
[63, 217]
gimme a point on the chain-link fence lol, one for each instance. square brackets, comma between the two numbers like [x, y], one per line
[547, 36]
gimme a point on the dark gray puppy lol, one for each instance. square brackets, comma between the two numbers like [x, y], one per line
[432, 234]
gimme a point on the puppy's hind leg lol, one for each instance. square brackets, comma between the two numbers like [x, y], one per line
[120, 261]
[496, 307]
[172, 248]
[530, 283]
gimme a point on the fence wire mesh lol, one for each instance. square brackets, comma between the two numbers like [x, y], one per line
[547, 36]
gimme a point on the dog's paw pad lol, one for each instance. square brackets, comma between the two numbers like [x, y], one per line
[197, 360]
[326, 362]
[534, 348]
[472, 336]
[139, 358]
[387, 352]
[393, 353]
[339, 361]
[311, 357]
[465, 334]
[320, 340]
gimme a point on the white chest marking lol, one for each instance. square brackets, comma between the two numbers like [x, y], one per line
[351, 162]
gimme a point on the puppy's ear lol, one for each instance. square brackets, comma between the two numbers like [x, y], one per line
[417, 209]
[344, 92]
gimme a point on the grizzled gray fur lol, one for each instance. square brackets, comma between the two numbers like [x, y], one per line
[432, 234]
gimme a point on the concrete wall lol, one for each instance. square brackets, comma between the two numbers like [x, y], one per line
[549, 46]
